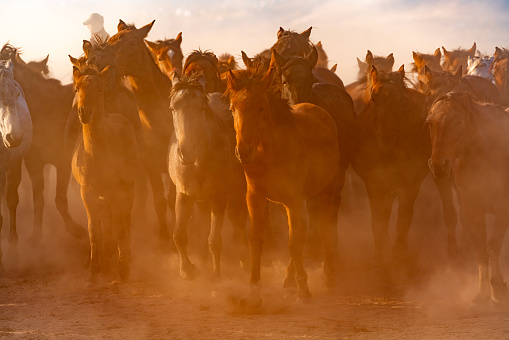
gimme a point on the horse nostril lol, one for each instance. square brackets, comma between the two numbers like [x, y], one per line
[10, 138]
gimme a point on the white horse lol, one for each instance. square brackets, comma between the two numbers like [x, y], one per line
[480, 66]
[16, 134]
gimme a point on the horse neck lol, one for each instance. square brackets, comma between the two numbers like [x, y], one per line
[95, 137]
[278, 128]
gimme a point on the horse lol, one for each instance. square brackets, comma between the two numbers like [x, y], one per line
[359, 90]
[151, 88]
[104, 163]
[200, 160]
[456, 58]
[421, 60]
[226, 62]
[293, 44]
[470, 141]
[16, 131]
[49, 103]
[167, 53]
[289, 154]
[500, 71]
[480, 66]
[440, 83]
[40, 66]
[259, 61]
[207, 63]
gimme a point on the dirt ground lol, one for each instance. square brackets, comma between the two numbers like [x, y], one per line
[43, 293]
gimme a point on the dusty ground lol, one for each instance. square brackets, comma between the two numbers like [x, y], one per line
[43, 293]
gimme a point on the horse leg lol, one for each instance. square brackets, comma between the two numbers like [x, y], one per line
[237, 213]
[94, 215]
[296, 240]
[256, 205]
[406, 199]
[450, 216]
[380, 202]
[323, 213]
[218, 207]
[499, 290]
[121, 232]
[61, 202]
[35, 171]
[13, 180]
[183, 209]
[160, 203]
[201, 222]
[108, 245]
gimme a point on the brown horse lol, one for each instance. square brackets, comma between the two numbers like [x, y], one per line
[104, 163]
[207, 63]
[440, 83]
[49, 103]
[323, 59]
[456, 58]
[421, 60]
[151, 88]
[167, 54]
[289, 154]
[464, 135]
[226, 62]
[500, 71]
[360, 89]
[260, 62]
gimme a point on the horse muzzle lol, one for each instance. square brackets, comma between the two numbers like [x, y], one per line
[12, 140]
[245, 154]
[84, 115]
[186, 157]
[440, 169]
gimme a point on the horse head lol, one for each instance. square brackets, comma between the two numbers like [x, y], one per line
[167, 53]
[10, 93]
[454, 59]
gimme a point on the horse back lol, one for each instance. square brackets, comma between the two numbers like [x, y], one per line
[483, 89]
[324, 75]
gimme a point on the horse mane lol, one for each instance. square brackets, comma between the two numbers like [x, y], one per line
[198, 55]
[281, 111]
[188, 84]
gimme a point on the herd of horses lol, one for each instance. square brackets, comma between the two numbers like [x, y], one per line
[283, 129]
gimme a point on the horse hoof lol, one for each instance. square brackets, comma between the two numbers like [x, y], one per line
[303, 300]
[290, 283]
[190, 273]
[500, 293]
[77, 231]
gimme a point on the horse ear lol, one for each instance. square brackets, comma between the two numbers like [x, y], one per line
[307, 33]
[76, 73]
[151, 45]
[174, 77]
[45, 60]
[121, 25]
[498, 52]
[446, 53]
[247, 61]
[428, 74]
[417, 57]
[472, 49]
[178, 39]
[277, 60]
[87, 46]
[231, 80]
[145, 29]
[319, 44]
[280, 32]
[422, 86]
[231, 62]
[459, 72]
[369, 57]
[74, 61]
[390, 57]
[312, 58]
[374, 74]
[334, 67]
[437, 53]
[361, 64]
[401, 70]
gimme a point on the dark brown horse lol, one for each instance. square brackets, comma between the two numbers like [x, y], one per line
[151, 88]
[456, 58]
[470, 141]
[207, 63]
[289, 154]
[167, 54]
[50, 103]
[500, 71]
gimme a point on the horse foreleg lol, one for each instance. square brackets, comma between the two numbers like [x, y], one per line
[2, 188]
[160, 203]
[61, 202]
[449, 214]
[256, 206]
[121, 231]
[183, 209]
[237, 213]
[499, 290]
[94, 214]
[406, 198]
[13, 180]
[218, 207]
[35, 171]
[296, 239]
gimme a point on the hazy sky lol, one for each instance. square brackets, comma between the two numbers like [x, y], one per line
[346, 28]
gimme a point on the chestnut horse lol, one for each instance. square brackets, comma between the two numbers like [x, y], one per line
[49, 103]
[289, 154]
[500, 71]
[200, 165]
[421, 60]
[470, 141]
[207, 63]
[151, 88]
[16, 132]
[167, 54]
[104, 163]
[456, 58]
[226, 62]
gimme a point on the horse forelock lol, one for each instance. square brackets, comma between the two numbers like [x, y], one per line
[199, 55]
[188, 84]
